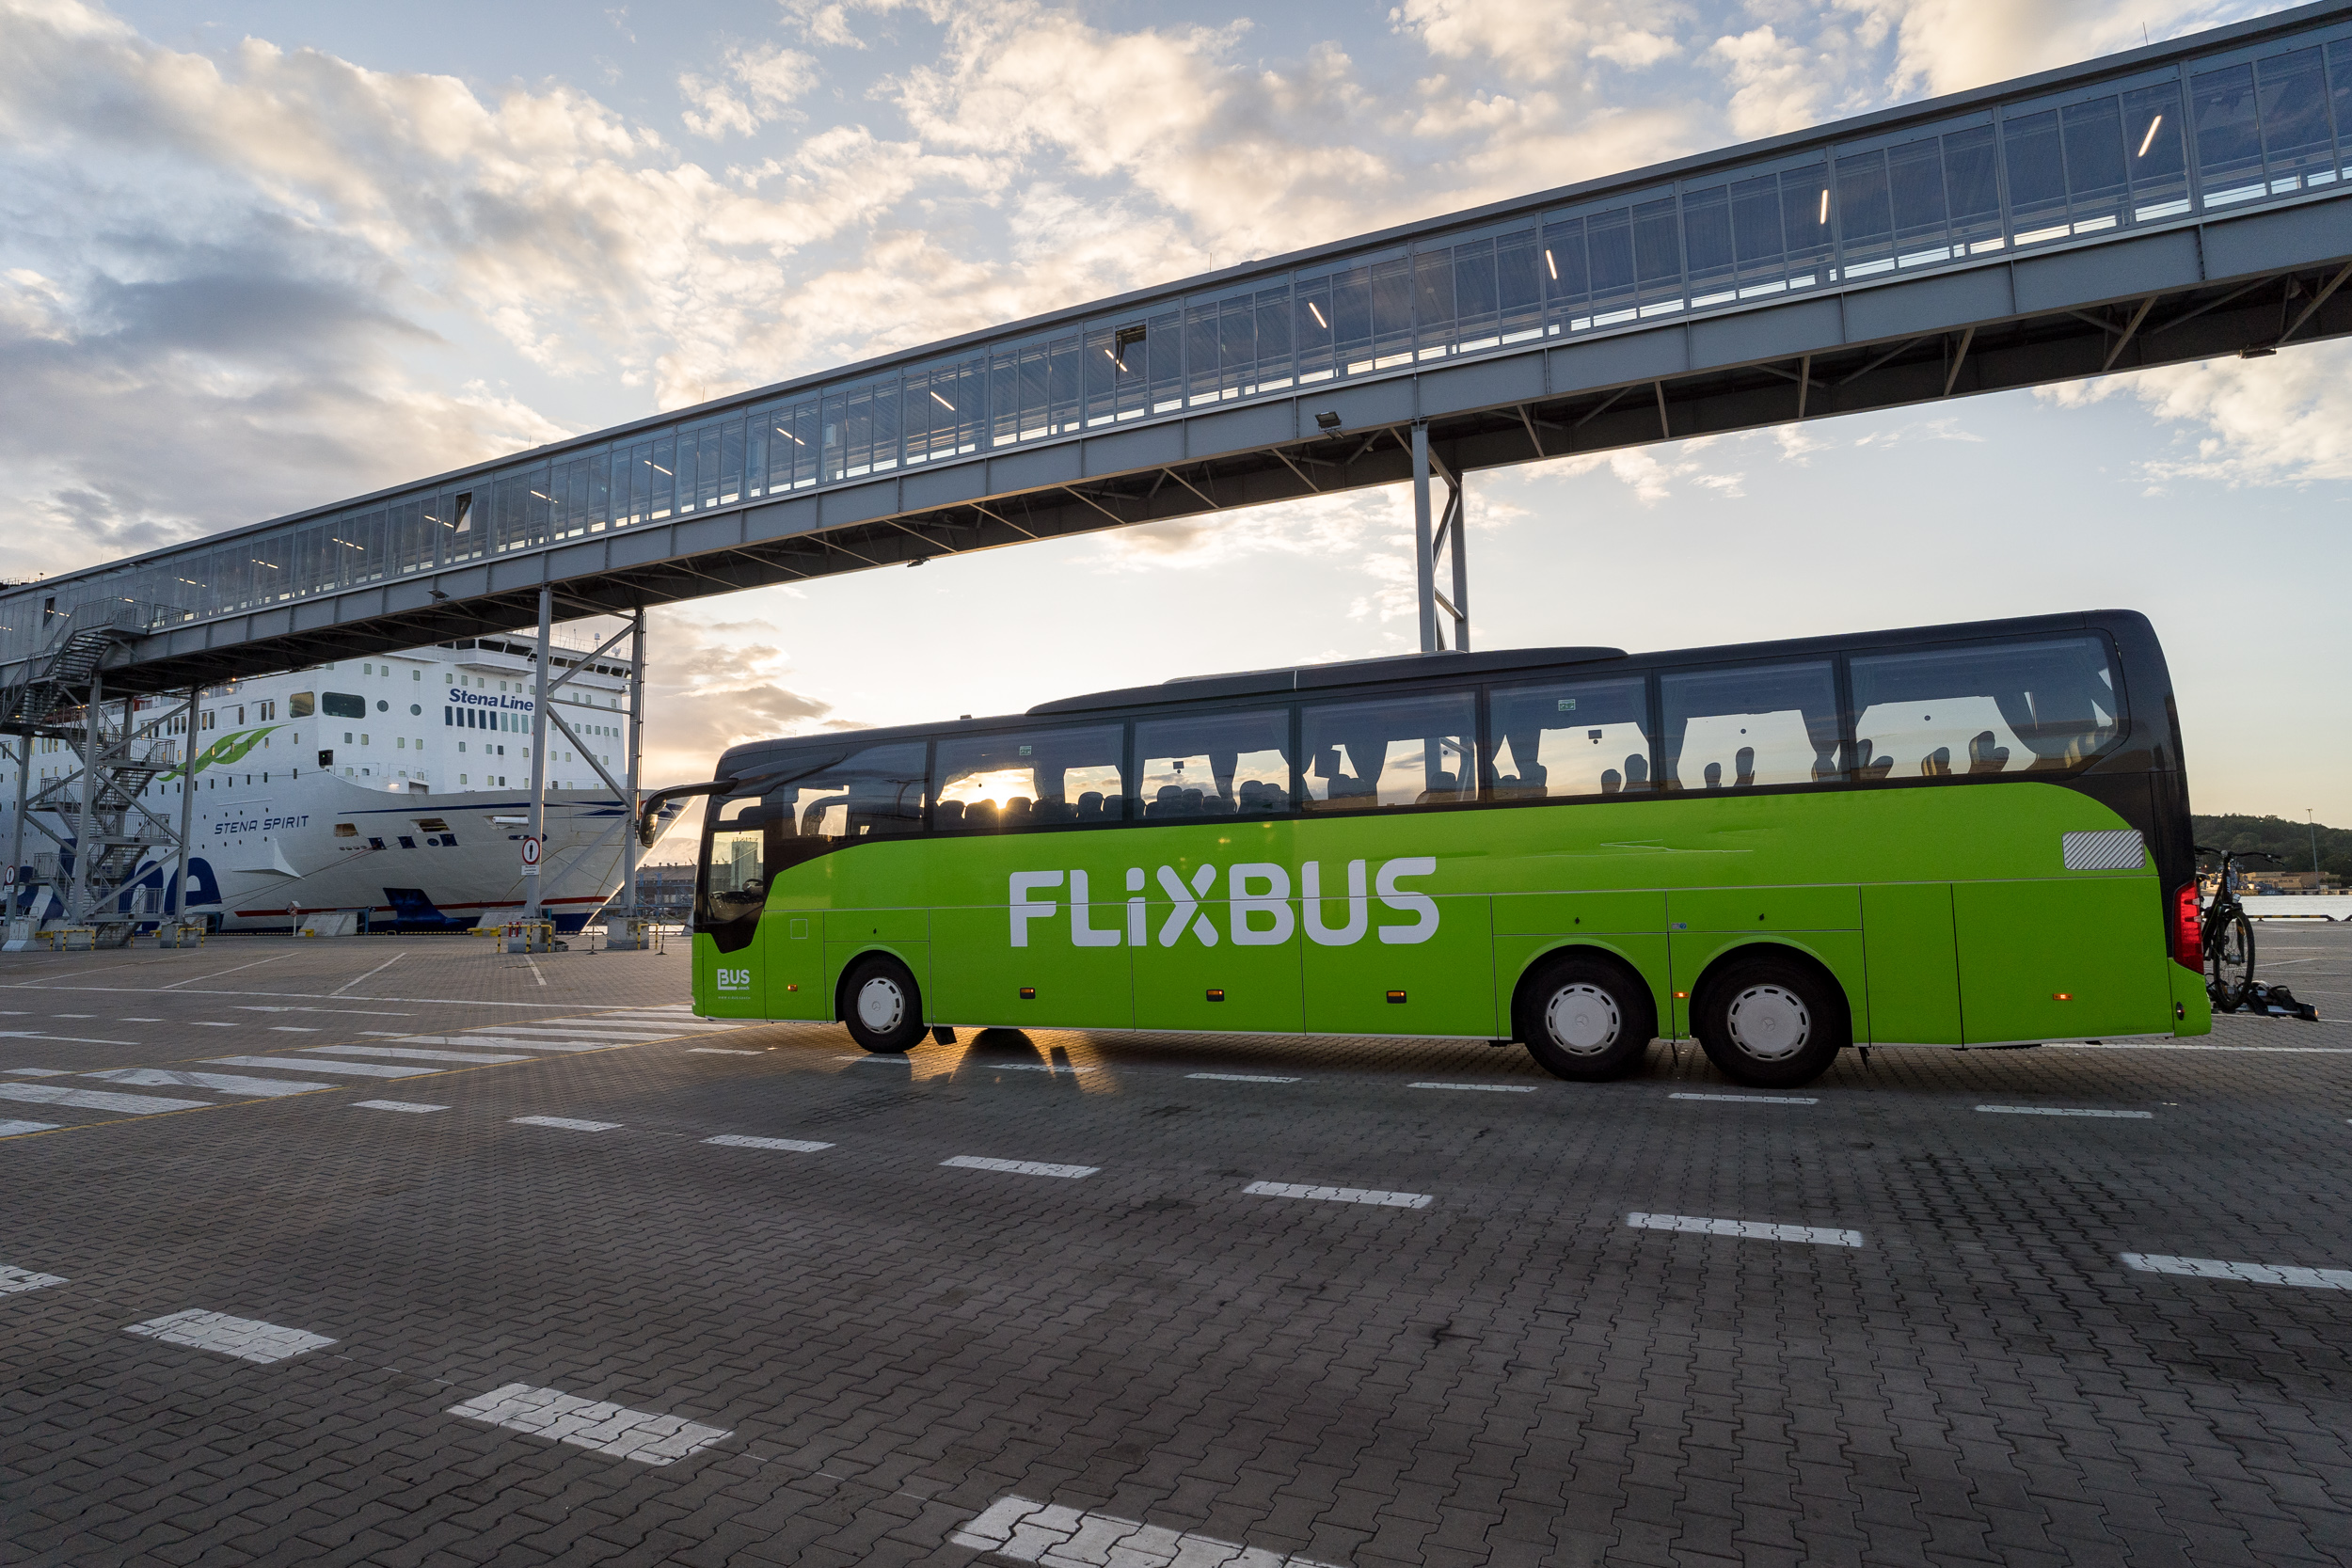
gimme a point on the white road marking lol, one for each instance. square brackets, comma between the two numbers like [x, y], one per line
[247, 1338]
[205, 1025]
[218, 972]
[607, 1429]
[1029, 1066]
[1239, 1078]
[398, 1054]
[2062, 1111]
[585, 1030]
[17, 1129]
[1754, 1098]
[227, 1082]
[68, 1039]
[534, 969]
[394, 1105]
[1340, 1195]
[791, 1146]
[370, 974]
[1061, 1537]
[1753, 1229]
[2252, 1273]
[291, 1029]
[348, 1070]
[14, 1280]
[40, 1072]
[98, 1100]
[720, 1051]
[495, 1042]
[138, 1020]
[1018, 1167]
[1486, 1088]
[567, 1122]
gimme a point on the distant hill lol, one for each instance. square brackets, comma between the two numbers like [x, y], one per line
[2290, 841]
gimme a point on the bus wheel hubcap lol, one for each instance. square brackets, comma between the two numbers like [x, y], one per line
[1583, 1020]
[1770, 1022]
[878, 1005]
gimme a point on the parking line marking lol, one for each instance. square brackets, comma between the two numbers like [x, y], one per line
[1027, 1066]
[351, 1069]
[791, 1145]
[16, 1129]
[1239, 1078]
[607, 1429]
[1758, 1230]
[247, 1338]
[12, 1280]
[160, 1076]
[570, 1123]
[1485, 1089]
[292, 1029]
[99, 1099]
[577, 1031]
[68, 1039]
[1340, 1195]
[2062, 1111]
[398, 1054]
[1026, 1531]
[493, 1042]
[394, 1105]
[40, 1071]
[1752, 1099]
[2252, 1273]
[721, 1050]
[1018, 1167]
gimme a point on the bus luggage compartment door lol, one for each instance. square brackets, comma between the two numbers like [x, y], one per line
[1443, 983]
[2061, 960]
[1913, 964]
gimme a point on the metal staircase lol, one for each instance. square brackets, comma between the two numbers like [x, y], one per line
[105, 833]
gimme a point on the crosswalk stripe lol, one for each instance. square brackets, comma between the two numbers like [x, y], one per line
[99, 1099]
[227, 1082]
[17, 1129]
[349, 1069]
[582, 1031]
[495, 1041]
[402, 1055]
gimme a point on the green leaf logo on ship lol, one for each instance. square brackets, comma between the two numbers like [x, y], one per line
[228, 750]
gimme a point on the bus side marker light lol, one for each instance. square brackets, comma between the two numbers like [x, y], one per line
[1682, 996]
[1028, 993]
[1216, 995]
[2061, 996]
[789, 986]
[1396, 996]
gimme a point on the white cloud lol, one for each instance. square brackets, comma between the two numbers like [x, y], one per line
[762, 83]
[2286, 420]
[1536, 40]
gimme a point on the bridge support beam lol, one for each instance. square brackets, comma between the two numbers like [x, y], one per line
[1430, 542]
[177, 905]
[635, 729]
[534, 907]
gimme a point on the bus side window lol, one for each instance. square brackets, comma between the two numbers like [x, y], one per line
[1755, 724]
[1578, 738]
[2001, 706]
[1414, 749]
[1029, 778]
[876, 793]
[1216, 765]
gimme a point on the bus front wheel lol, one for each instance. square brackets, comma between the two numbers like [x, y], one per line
[1771, 1023]
[1584, 1018]
[882, 1006]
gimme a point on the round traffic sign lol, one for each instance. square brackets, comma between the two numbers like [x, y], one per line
[531, 851]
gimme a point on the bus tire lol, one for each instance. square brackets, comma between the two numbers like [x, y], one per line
[882, 1006]
[1584, 1017]
[1771, 1021]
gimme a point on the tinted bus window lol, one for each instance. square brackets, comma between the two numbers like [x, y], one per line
[735, 877]
[1760, 724]
[1408, 750]
[1218, 765]
[1030, 778]
[1992, 708]
[1583, 738]
[875, 793]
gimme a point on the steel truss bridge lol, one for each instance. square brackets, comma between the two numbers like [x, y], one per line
[2173, 203]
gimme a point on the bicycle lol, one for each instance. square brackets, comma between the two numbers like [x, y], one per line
[2228, 941]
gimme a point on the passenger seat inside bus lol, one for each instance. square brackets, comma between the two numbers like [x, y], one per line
[1984, 756]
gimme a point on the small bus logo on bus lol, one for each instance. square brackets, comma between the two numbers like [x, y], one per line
[734, 979]
[1258, 905]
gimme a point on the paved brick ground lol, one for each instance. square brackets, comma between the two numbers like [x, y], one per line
[1508, 1375]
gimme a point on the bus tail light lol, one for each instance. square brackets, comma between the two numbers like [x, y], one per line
[2188, 929]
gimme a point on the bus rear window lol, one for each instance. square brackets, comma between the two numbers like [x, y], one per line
[1756, 724]
[1989, 708]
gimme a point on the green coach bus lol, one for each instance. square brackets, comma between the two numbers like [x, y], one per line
[1964, 835]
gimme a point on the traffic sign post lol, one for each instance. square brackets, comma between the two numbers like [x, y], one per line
[531, 855]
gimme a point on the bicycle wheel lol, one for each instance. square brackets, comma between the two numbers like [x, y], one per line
[2230, 961]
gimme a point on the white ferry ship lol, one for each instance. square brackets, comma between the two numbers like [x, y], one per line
[397, 786]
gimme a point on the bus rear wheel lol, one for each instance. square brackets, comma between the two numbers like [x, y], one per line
[1771, 1023]
[1584, 1018]
[882, 1006]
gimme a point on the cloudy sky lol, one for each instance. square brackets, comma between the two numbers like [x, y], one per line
[258, 255]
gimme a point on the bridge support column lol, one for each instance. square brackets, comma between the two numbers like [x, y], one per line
[177, 905]
[78, 911]
[534, 906]
[1429, 541]
[636, 729]
[16, 829]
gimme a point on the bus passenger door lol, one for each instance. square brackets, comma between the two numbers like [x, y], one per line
[728, 907]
